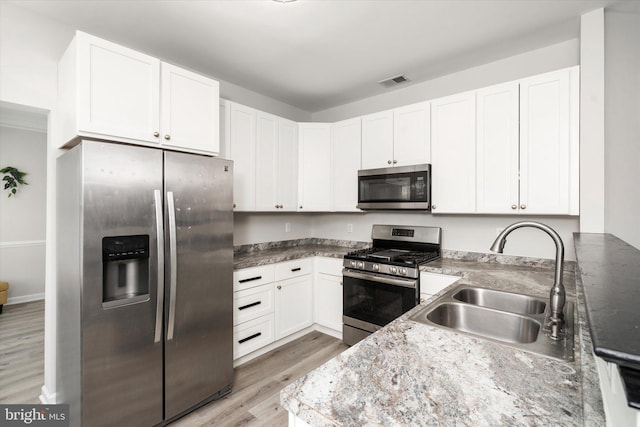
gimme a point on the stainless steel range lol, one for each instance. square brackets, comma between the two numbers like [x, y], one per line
[383, 282]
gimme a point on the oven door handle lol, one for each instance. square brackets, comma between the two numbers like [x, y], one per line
[380, 279]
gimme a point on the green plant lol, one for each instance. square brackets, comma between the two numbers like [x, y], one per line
[12, 178]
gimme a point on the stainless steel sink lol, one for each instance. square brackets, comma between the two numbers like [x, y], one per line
[500, 300]
[508, 318]
[498, 325]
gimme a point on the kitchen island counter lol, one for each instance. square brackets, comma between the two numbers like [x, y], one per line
[414, 374]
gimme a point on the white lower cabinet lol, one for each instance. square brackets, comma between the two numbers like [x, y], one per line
[252, 335]
[293, 305]
[271, 302]
[328, 293]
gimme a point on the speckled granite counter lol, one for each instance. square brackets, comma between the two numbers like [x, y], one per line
[414, 374]
[268, 253]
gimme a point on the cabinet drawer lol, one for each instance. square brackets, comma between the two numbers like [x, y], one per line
[295, 268]
[252, 335]
[252, 303]
[332, 266]
[252, 277]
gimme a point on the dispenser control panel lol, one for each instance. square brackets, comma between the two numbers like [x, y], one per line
[125, 247]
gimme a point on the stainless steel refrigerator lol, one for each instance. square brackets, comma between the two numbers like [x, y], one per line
[144, 283]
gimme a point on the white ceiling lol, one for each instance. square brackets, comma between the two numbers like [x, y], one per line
[316, 54]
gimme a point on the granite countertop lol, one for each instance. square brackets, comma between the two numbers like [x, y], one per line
[610, 275]
[414, 374]
[268, 253]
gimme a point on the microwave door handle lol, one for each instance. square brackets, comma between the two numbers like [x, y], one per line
[380, 279]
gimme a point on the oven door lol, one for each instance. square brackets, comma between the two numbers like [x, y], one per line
[371, 300]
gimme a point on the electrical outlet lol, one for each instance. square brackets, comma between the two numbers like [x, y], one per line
[349, 228]
[498, 231]
[287, 227]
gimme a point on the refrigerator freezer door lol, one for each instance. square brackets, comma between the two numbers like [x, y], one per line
[199, 351]
[121, 364]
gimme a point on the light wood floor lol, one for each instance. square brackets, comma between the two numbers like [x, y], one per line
[254, 399]
[21, 352]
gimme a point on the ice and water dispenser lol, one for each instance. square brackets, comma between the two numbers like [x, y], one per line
[125, 270]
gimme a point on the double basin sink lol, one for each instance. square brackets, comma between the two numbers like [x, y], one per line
[516, 320]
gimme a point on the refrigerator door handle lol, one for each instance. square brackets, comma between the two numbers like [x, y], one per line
[173, 265]
[157, 197]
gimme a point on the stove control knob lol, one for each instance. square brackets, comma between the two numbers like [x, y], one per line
[376, 267]
[352, 263]
[394, 270]
[403, 271]
[360, 264]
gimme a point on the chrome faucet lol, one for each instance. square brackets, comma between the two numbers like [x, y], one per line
[557, 295]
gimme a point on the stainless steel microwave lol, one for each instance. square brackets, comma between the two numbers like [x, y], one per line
[401, 187]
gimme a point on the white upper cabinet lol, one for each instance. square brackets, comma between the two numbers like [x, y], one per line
[314, 162]
[549, 143]
[266, 162]
[497, 149]
[276, 163]
[287, 165]
[242, 150]
[111, 92]
[453, 152]
[412, 134]
[345, 155]
[189, 110]
[377, 140]
[264, 150]
[397, 137]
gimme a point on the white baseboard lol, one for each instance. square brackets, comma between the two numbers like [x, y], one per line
[47, 398]
[25, 298]
[328, 331]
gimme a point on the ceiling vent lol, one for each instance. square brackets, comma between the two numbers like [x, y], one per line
[393, 81]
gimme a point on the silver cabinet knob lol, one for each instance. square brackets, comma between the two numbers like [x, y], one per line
[340, 282]
[156, 134]
[523, 206]
[279, 287]
[300, 206]
[167, 137]
[277, 206]
[389, 162]
[234, 205]
[395, 161]
[433, 207]
[422, 300]
[514, 206]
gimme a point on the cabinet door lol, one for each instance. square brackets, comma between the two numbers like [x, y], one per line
[453, 128]
[412, 134]
[287, 165]
[545, 143]
[346, 154]
[242, 150]
[329, 301]
[266, 161]
[377, 140]
[497, 145]
[314, 152]
[190, 110]
[118, 90]
[294, 305]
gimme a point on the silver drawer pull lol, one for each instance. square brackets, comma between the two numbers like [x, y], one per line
[253, 304]
[250, 337]
[250, 279]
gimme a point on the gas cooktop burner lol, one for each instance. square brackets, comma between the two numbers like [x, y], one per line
[393, 255]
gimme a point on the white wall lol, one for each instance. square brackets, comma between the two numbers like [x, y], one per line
[622, 125]
[554, 57]
[22, 217]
